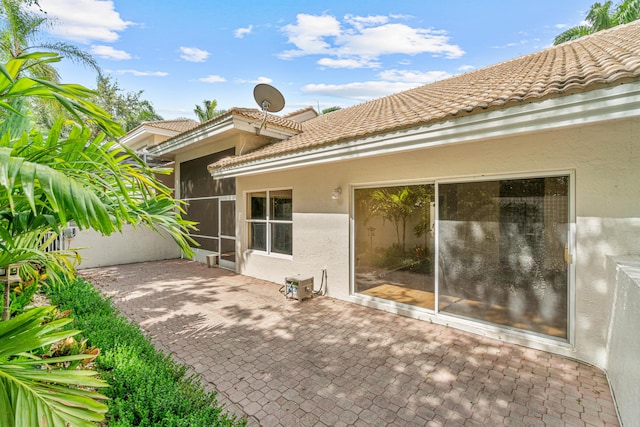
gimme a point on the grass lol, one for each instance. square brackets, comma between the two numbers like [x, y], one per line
[147, 388]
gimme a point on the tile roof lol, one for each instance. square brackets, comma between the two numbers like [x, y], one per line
[272, 120]
[248, 113]
[178, 125]
[607, 58]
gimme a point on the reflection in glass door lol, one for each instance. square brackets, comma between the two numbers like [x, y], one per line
[502, 252]
[501, 249]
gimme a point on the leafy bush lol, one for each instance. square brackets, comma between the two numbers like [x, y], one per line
[147, 388]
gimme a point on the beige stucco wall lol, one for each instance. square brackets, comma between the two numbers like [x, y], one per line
[623, 343]
[127, 247]
[605, 159]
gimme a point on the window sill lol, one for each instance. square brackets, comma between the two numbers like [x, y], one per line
[269, 255]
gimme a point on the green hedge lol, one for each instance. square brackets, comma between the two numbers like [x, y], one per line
[147, 388]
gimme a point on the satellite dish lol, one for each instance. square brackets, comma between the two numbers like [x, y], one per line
[268, 98]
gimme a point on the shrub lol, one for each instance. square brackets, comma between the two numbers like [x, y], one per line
[147, 388]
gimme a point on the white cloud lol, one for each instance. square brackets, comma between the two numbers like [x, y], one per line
[418, 77]
[391, 81]
[348, 63]
[84, 21]
[512, 44]
[108, 52]
[241, 32]
[362, 39]
[258, 80]
[212, 79]
[143, 73]
[360, 22]
[560, 26]
[309, 34]
[465, 68]
[193, 54]
[398, 38]
[361, 91]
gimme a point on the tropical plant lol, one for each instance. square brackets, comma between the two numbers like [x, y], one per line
[48, 395]
[398, 204]
[21, 29]
[23, 292]
[600, 17]
[20, 34]
[207, 110]
[47, 180]
[147, 387]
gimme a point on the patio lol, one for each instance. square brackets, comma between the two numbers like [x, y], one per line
[325, 362]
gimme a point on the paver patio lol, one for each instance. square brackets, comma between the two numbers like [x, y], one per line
[324, 362]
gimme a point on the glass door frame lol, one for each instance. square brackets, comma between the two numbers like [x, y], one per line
[571, 247]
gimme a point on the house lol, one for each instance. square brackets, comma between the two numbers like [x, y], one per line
[212, 203]
[494, 201]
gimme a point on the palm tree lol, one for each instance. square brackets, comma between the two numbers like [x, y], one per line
[601, 17]
[398, 204]
[207, 110]
[46, 180]
[20, 34]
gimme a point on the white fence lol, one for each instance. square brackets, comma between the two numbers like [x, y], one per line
[127, 247]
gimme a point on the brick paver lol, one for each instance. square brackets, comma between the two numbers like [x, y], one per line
[324, 362]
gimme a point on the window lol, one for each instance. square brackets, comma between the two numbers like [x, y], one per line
[269, 221]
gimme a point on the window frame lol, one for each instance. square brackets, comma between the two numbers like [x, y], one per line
[268, 222]
[489, 328]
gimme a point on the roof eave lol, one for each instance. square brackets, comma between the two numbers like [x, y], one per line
[578, 109]
[190, 137]
[143, 131]
[218, 127]
[267, 129]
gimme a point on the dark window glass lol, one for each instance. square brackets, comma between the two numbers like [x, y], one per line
[281, 238]
[258, 236]
[281, 205]
[257, 206]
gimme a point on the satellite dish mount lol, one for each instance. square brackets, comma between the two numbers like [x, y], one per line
[269, 99]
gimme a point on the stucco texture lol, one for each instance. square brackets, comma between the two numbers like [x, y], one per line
[602, 159]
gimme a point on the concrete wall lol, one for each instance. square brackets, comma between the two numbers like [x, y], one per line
[122, 248]
[603, 158]
[623, 346]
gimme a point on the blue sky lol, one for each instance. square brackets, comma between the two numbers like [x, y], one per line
[317, 53]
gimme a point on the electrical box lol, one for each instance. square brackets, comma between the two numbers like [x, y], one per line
[298, 288]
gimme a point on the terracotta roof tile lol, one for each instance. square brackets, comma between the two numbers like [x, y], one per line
[273, 120]
[603, 59]
[248, 113]
[302, 110]
[175, 125]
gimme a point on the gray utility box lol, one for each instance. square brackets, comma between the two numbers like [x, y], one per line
[298, 288]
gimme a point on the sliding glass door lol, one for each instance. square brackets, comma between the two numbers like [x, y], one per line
[501, 249]
[394, 243]
[502, 252]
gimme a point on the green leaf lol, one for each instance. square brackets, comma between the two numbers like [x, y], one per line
[30, 395]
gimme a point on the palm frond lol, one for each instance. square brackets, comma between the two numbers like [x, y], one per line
[573, 33]
[32, 395]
